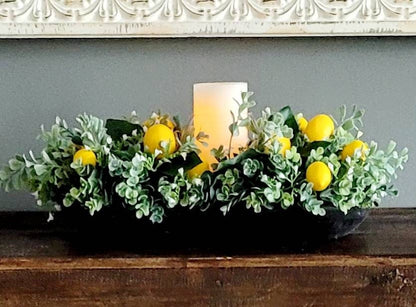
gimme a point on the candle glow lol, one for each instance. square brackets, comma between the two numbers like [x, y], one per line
[212, 105]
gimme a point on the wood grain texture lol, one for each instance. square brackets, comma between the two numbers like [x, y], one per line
[51, 265]
[278, 286]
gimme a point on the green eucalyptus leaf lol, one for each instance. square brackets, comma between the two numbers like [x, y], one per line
[116, 128]
[4, 174]
[40, 169]
[249, 153]
[15, 165]
[290, 119]
[76, 139]
[172, 167]
[348, 125]
[304, 151]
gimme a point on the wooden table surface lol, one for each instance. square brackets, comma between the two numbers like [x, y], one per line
[45, 264]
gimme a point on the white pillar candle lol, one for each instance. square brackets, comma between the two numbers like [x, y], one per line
[212, 105]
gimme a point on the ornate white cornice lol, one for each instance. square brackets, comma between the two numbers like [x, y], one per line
[182, 18]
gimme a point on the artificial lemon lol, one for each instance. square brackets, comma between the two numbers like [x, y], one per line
[302, 123]
[157, 134]
[320, 128]
[319, 174]
[285, 142]
[86, 156]
[198, 170]
[350, 149]
[169, 124]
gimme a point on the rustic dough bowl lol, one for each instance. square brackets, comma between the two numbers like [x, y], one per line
[240, 229]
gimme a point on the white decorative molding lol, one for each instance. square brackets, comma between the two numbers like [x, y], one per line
[200, 18]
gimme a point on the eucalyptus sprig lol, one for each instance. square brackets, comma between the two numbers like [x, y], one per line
[241, 119]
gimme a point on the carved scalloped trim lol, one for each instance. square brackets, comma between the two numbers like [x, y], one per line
[183, 18]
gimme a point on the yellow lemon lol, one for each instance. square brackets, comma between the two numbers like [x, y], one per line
[86, 156]
[320, 128]
[198, 170]
[285, 142]
[319, 174]
[285, 145]
[157, 134]
[350, 149]
[302, 123]
[169, 124]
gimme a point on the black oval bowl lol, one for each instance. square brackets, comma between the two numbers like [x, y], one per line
[240, 230]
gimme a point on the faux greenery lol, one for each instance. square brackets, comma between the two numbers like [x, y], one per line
[259, 177]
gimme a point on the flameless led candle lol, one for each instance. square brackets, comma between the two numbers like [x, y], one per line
[212, 105]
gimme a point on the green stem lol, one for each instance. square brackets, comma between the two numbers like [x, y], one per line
[229, 146]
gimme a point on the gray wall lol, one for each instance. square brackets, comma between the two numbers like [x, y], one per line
[40, 79]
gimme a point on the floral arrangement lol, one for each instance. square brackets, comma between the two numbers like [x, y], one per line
[154, 166]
